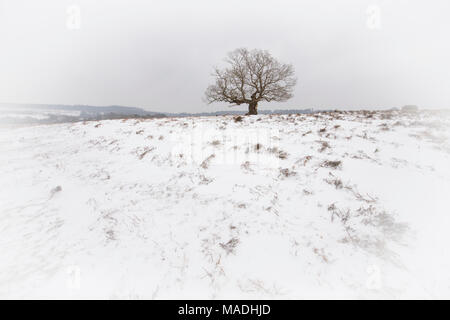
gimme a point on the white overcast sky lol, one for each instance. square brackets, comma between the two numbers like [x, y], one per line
[159, 54]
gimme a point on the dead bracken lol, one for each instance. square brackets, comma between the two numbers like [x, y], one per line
[230, 245]
[324, 146]
[332, 164]
[146, 150]
[205, 163]
[216, 142]
[337, 183]
[287, 173]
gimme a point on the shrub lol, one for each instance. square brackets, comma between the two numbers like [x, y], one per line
[332, 164]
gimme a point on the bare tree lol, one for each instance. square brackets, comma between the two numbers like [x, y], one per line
[251, 77]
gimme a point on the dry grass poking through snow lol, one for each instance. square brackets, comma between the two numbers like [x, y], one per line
[278, 206]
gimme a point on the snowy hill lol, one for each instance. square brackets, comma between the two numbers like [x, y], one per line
[326, 205]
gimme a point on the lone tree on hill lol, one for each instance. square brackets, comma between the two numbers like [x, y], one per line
[251, 77]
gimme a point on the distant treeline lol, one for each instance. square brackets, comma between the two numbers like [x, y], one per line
[48, 114]
[235, 112]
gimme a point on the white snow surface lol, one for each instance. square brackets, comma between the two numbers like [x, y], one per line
[329, 205]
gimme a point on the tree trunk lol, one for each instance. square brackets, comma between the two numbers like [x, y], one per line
[253, 108]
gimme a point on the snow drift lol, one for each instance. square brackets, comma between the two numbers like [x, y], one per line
[326, 205]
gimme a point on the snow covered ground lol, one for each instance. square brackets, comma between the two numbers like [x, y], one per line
[329, 205]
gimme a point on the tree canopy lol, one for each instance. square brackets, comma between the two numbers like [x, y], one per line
[251, 77]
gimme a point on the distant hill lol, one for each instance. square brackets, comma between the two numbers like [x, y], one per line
[43, 113]
[81, 108]
[58, 113]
